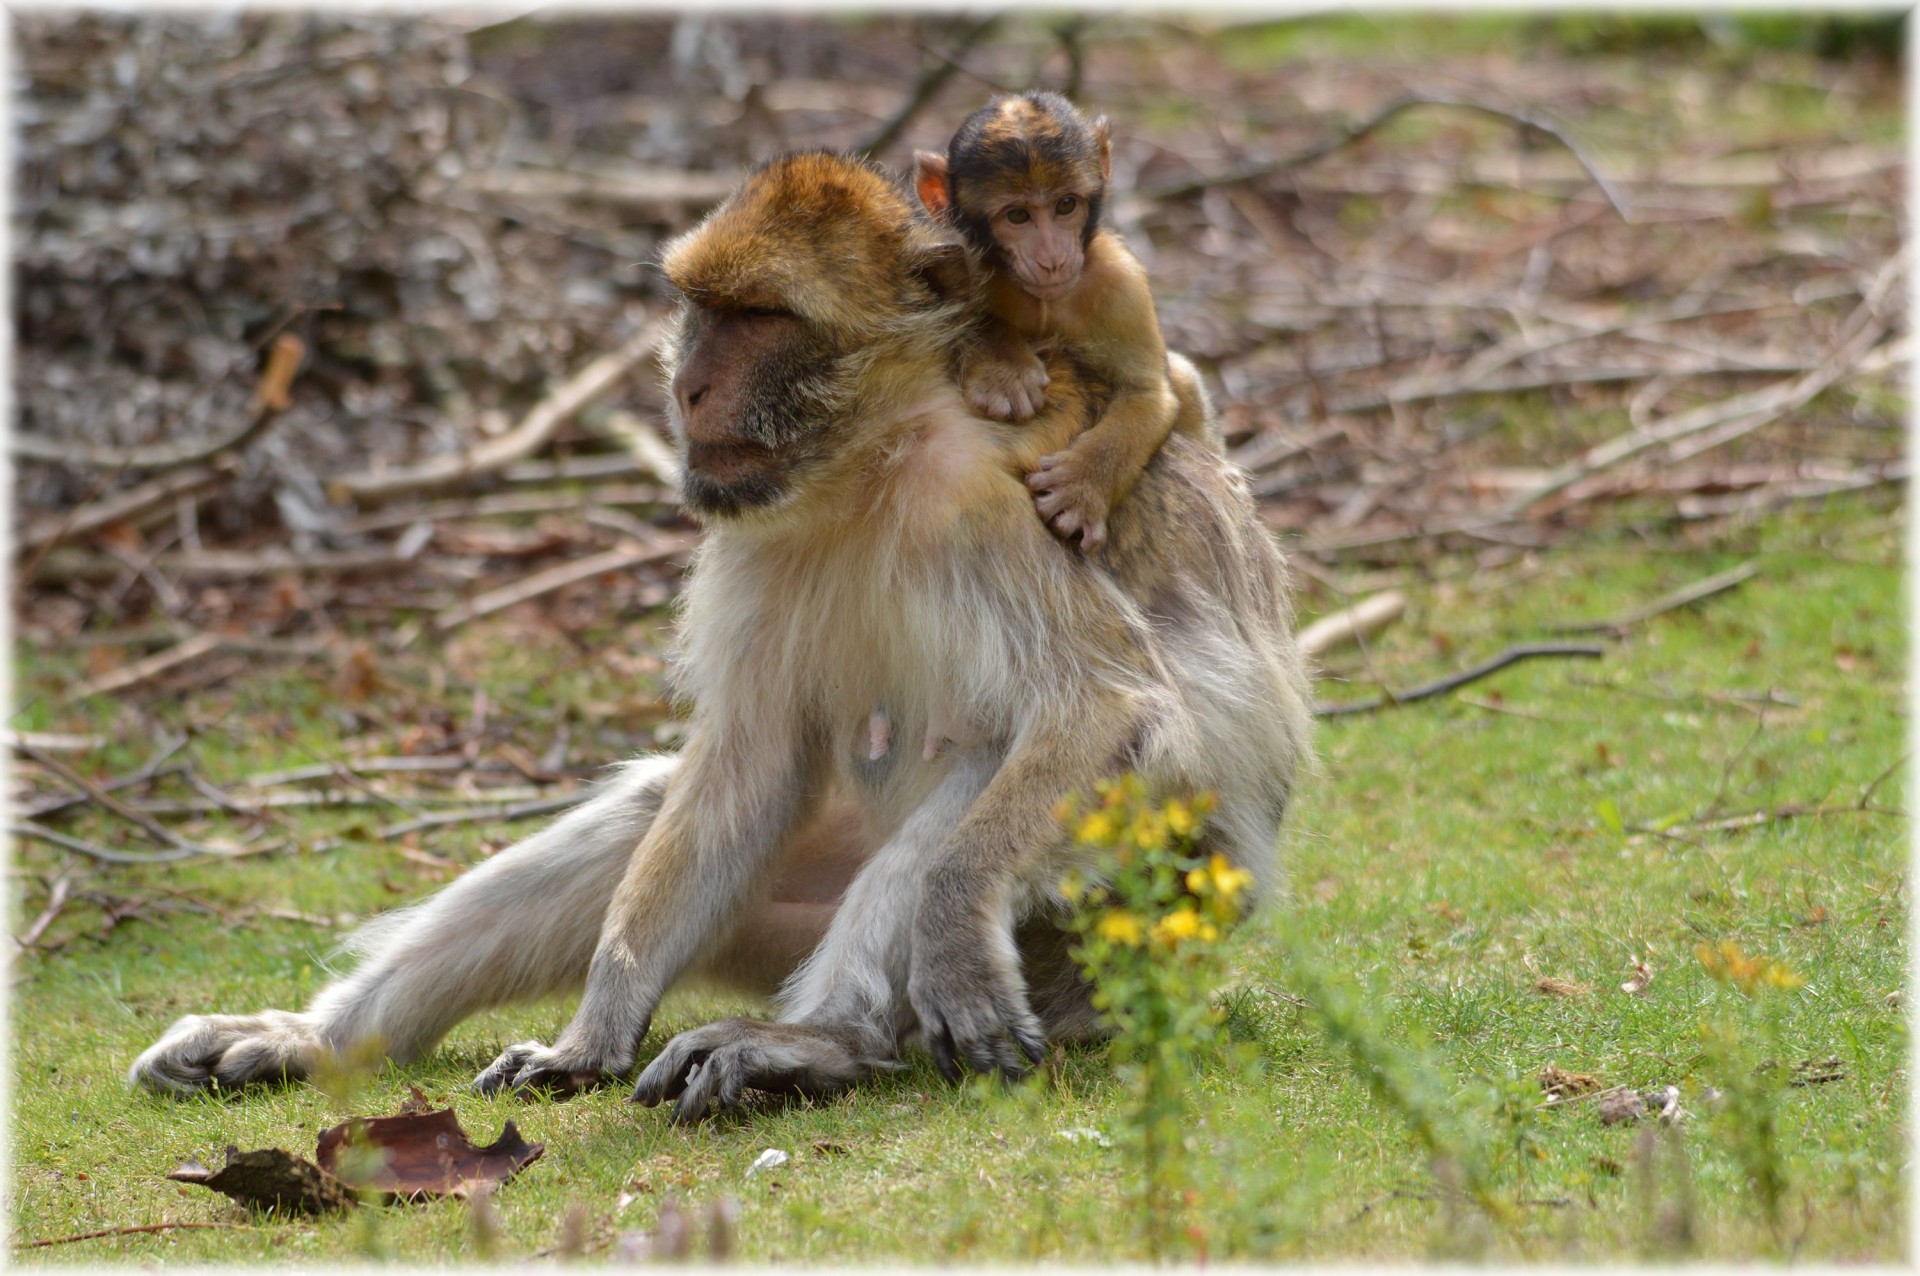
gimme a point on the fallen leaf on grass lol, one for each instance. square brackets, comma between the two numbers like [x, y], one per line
[1638, 980]
[1817, 1071]
[421, 1154]
[270, 1179]
[416, 1154]
[1620, 1106]
[1623, 1105]
[1548, 986]
[1561, 1085]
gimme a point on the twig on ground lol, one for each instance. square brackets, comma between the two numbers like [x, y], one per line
[494, 454]
[1512, 655]
[158, 831]
[54, 741]
[124, 1231]
[1373, 123]
[1743, 413]
[57, 896]
[270, 399]
[24, 828]
[152, 768]
[545, 582]
[931, 79]
[1761, 818]
[153, 666]
[487, 815]
[1866, 794]
[1698, 591]
[1364, 619]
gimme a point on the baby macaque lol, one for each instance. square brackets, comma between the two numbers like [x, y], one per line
[1024, 180]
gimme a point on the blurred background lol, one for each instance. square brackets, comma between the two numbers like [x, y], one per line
[1474, 283]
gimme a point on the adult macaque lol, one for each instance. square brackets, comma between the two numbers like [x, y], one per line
[1025, 180]
[871, 541]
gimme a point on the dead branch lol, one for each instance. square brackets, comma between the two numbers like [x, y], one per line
[152, 767]
[1741, 414]
[42, 535]
[57, 896]
[545, 582]
[521, 441]
[1362, 620]
[270, 399]
[487, 814]
[145, 670]
[1373, 123]
[37, 833]
[123, 1231]
[53, 742]
[106, 801]
[931, 79]
[66, 566]
[1512, 655]
[1718, 583]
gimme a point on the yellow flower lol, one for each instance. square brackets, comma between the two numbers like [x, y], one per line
[1072, 888]
[1228, 881]
[1182, 923]
[1120, 927]
[1730, 965]
[1179, 817]
[1096, 830]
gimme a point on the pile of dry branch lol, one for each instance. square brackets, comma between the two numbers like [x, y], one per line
[328, 317]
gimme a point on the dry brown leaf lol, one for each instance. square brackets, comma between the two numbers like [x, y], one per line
[1561, 1084]
[1549, 986]
[1617, 1106]
[1637, 981]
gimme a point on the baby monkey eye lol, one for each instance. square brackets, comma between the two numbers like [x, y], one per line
[1065, 207]
[1019, 216]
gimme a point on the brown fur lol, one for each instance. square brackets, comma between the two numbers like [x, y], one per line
[870, 543]
[1028, 152]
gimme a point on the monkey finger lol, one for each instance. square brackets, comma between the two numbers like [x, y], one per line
[940, 1046]
[499, 1074]
[667, 1075]
[1093, 536]
[694, 1098]
[1050, 503]
[1067, 522]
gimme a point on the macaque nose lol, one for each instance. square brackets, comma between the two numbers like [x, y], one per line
[690, 399]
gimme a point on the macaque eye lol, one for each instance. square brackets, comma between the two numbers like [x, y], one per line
[1066, 206]
[1019, 216]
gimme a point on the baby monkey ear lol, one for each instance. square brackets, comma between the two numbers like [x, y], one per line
[947, 267]
[930, 182]
[1103, 138]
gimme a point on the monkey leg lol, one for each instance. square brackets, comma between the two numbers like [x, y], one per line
[846, 1005]
[521, 925]
[964, 981]
[731, 806]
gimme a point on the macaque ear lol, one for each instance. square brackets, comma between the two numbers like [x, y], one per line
[930, 182]
[947, 267]
[1103, 138]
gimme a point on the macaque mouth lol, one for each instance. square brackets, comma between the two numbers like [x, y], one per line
[1052, 290]
[736, 461]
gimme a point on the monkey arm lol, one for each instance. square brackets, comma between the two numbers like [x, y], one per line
[741, 789]
[999, 374]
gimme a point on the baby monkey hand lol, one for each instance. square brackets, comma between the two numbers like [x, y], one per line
[1071, 498]
[1004, 380]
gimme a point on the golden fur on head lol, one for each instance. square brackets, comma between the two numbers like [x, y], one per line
[1021, 145]
[821, 235]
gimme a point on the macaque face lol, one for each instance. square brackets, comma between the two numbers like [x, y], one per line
[1043, 240]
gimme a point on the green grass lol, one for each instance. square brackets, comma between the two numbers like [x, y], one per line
[1446, 857]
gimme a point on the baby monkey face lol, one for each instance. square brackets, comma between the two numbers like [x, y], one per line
[1042, 235]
